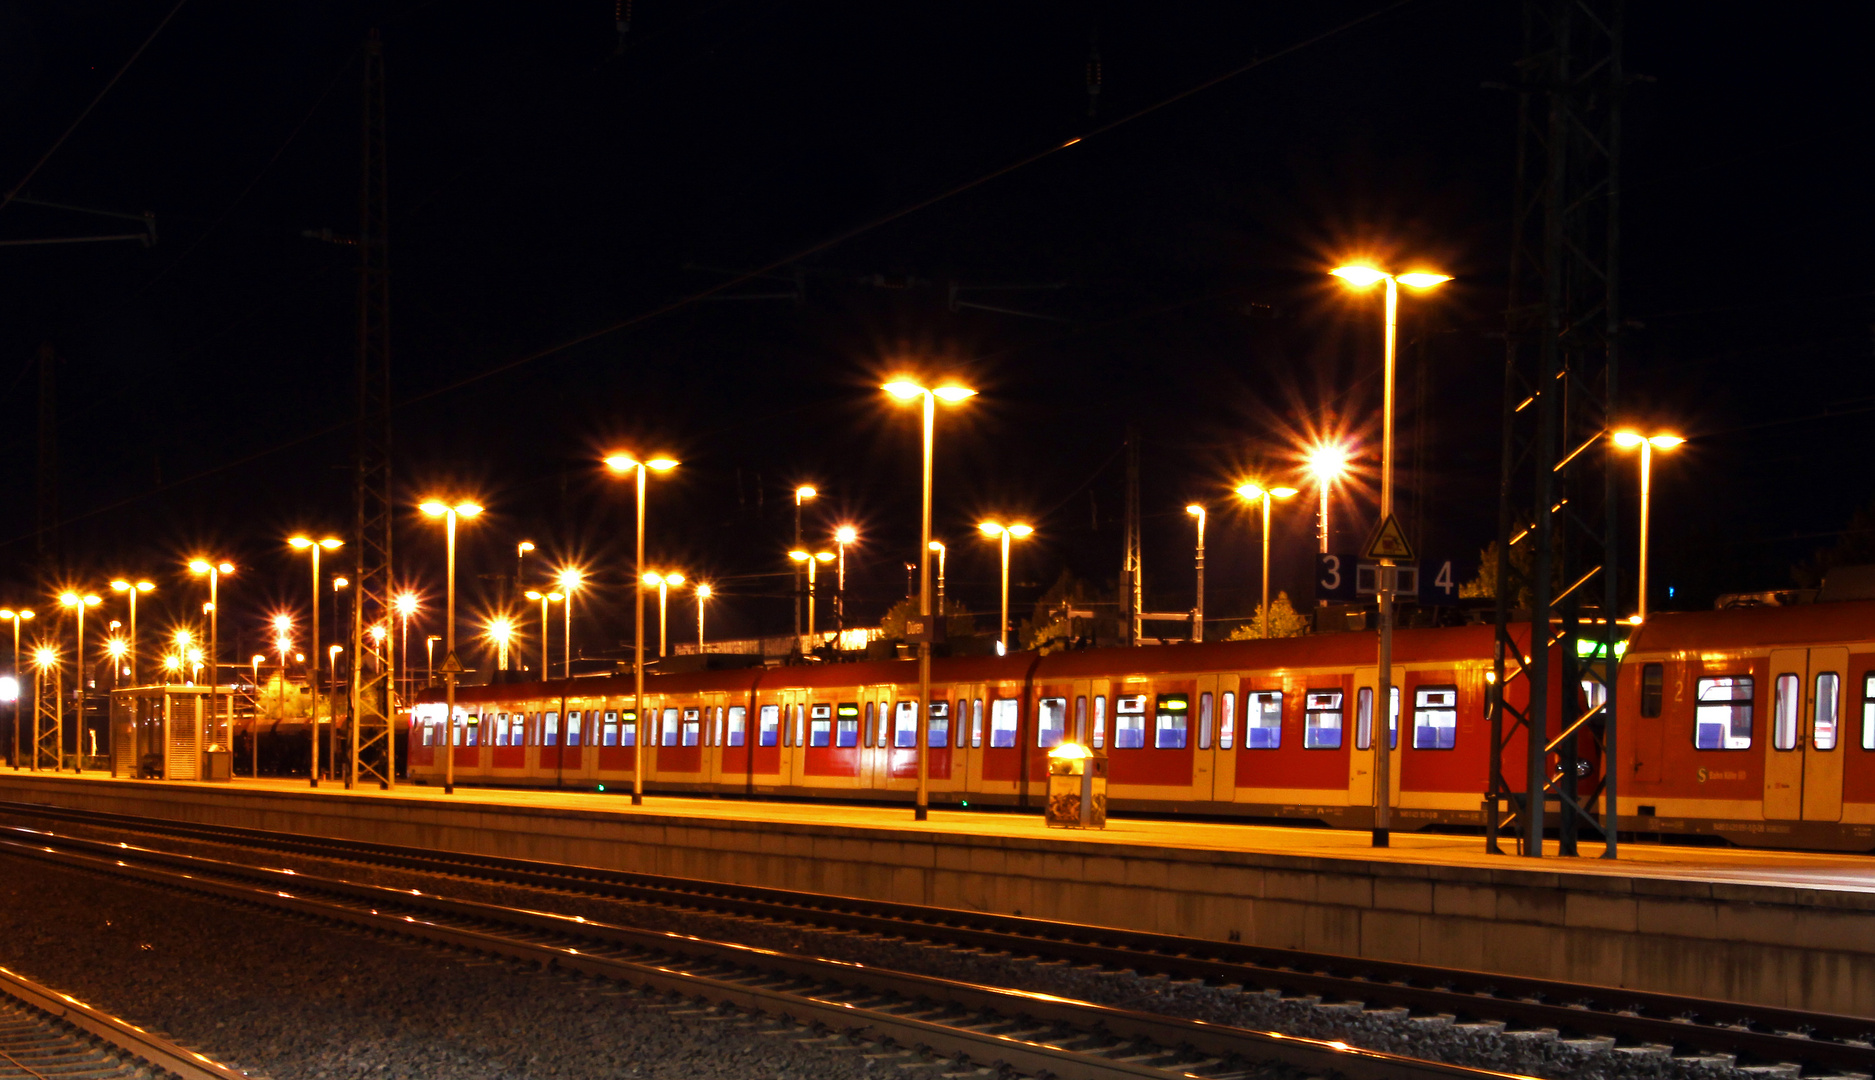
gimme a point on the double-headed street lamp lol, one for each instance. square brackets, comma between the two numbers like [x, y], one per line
[622, 463]
[1257, 493]
[130, 590]
[16, 617]
[450, 513]
[1629, 440]
[1197, 613]
[950, 394]
[1005, 533]
[82, 681]
[214, 569]
[313, 547]
[801, 495]
[663, 583]
[809, 559]
[1361, 277]
[545, 599]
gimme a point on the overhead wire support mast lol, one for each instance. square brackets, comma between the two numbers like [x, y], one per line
[1557, 484]
[373, 741]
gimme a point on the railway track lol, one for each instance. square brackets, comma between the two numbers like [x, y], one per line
[1637, 1021]
[46, 1034]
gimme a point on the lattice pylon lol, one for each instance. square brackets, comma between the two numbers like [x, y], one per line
[48, 719]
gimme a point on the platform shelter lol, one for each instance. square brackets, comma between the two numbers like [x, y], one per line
[165, 733]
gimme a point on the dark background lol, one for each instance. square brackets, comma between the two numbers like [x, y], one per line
[544, 188]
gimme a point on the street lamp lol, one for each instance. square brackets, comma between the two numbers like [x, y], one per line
[663, 582]
[131, 589]
[703, 592]
[82, 681]
[214, 570]
[500, 630]
[801, 495]
[16, 617]
[842, 536]
[1258, 493]
[46, 660]
[520, 565]
[451, 666]
[1327, 463]
[949, 394]
[1361, 277]
[1628, 440]
[314, 547]
[405, 604]
[1197, 613]
[570, 581]
[545, 599]
[1005, 533]
[620, 463]
[942, 551]
[809, 559]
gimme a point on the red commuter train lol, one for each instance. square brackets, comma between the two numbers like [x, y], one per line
[1736, 723]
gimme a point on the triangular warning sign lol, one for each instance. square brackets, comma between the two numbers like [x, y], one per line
[1388, 541]
[451, 665]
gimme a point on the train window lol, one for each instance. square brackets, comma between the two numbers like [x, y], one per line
[1004, 716]
[866, 735]
[800, 724]
[939, 730]
[1868, 712]
[820, 726]
[1051, 721]
[787, 731]
[550, 730]
[693, 725]
[1321, 720]
[1100, 720]
[1263, 725]
[1080, 719]
[738, 718]
[667, 727]
[1204, 721]
[1364, 718]
[1653, 681]
[608, 728]
[1786, 704]
[1722, 717]
[572, 728]
[1227, 721]
[905, 725]
[501, 729]
[1129, 722]
[846, 731]
[976, 722]
[1823, 725]
[456, 732]
[517, 734]
[627, 727]
[1172, 723]
[1435, 717]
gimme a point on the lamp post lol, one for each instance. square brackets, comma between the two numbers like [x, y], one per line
[313, 547]
[1361, 277]
[520, 566]
[950, 395]
[844, 535]
[214, 569]
[1629, 440]
[620, 463]
[406, 605]
[703, 592]
[82, 681]
[942, 551]
[545, 599]
[429, 659]
[1328, 463]
[809, 559]
[801, 495]
[16, 617]
[1258, 493]
[452, 667]
[663, 582]
[1005, 533]
[500, 630]
[1197, 613]
[570, 581]
[332, 692]
[131, 589]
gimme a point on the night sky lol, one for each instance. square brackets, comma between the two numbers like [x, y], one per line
[559, 211]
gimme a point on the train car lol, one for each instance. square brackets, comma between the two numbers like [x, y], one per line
[1277, 729]
[1754, 724]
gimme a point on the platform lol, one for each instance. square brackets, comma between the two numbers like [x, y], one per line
[1785, 928]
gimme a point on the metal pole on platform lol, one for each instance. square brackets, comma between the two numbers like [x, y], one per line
[621, 463]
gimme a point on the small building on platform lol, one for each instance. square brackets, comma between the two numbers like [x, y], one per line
[166, 733]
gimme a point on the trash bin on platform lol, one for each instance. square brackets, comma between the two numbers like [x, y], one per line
[1077, 788]
[217, 764]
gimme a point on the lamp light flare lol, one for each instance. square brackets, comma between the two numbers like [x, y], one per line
[570, 579]
[1328, 462]
[845, 534]
[1359, 276]
[806, 491]
[704, 592]
[45, 657]
[406, 604]
[1422, 280]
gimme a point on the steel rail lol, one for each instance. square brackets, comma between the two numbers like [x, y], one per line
[147, 1046]
[1769, 1033]
[842, 995]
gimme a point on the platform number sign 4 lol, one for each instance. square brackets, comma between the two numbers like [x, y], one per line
[1347, 578]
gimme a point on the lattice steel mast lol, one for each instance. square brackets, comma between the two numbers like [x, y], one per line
[373, 727]
[1557, 495]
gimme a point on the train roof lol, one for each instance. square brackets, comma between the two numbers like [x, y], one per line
[1755, 627]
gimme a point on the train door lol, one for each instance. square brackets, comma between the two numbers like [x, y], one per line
[1802, 764]
[1225, 735]
[793, 736]
[1204, 720]
[1366, 750]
